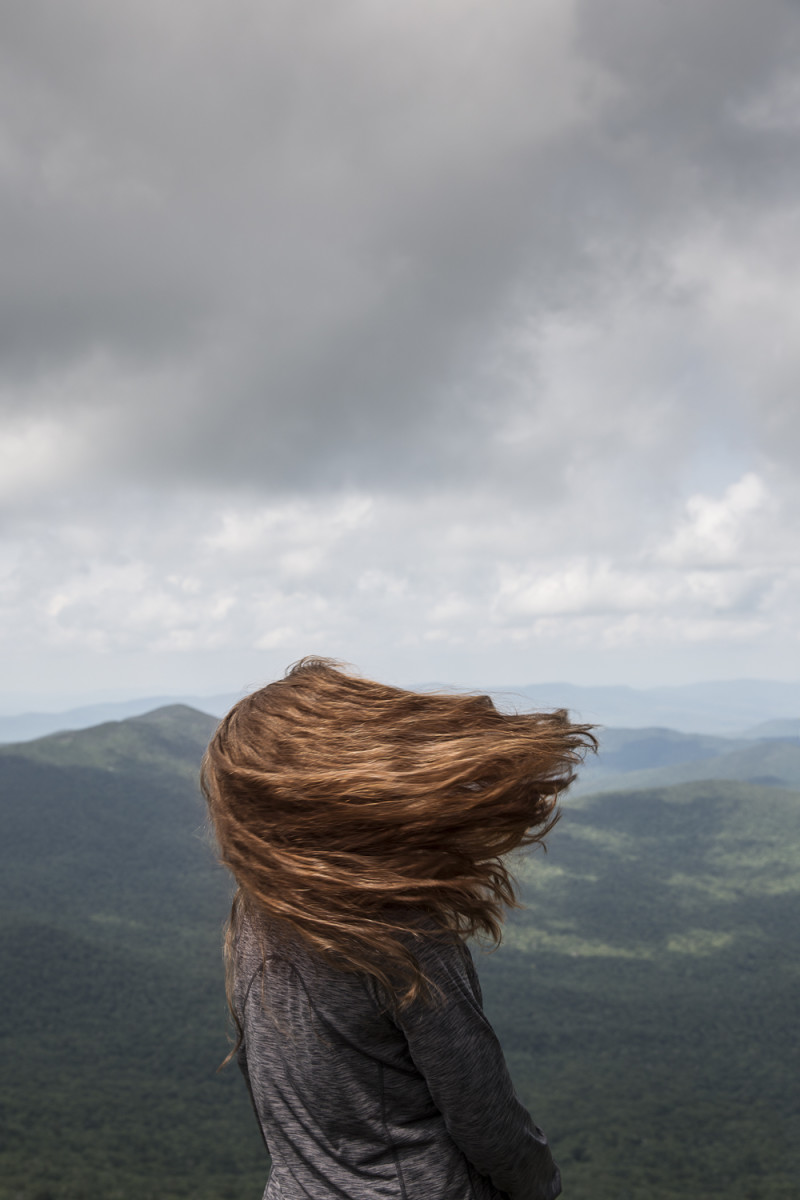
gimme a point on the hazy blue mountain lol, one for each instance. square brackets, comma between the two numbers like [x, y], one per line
[28, 726]
[635, 749]
[646, 995]
[730, 707]
[789, 727]
[635, 759]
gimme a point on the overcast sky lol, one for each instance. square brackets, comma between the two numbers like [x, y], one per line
[460, 340]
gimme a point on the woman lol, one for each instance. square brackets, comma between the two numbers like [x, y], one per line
[365, 827]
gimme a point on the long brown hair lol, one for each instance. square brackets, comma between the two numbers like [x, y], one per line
[343, 807]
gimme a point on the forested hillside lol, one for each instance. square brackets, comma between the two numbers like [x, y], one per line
[113, 1016]
[648, 758]
[646, 996]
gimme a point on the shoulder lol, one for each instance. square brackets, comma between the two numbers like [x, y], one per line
[257, 942]
[443, 957]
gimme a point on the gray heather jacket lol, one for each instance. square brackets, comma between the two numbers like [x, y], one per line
[355, 1104]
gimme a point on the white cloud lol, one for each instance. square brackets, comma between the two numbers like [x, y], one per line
[714, 529]
[335, 574]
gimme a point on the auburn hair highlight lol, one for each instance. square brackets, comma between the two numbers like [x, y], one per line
[344, 808]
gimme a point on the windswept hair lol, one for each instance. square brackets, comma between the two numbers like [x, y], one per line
[344, 807]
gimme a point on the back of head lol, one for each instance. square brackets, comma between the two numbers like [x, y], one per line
[344, 808]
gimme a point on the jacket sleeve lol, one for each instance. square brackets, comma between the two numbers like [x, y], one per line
[454, 1047]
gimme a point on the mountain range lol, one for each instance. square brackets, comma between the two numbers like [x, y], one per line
[642, 758]
[729, 708]
[645, 995]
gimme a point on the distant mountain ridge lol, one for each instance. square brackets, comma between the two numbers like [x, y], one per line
[169, 738]
[788, 727]
[26, 727]
[730, 707]
[172, 738]
[631, 759]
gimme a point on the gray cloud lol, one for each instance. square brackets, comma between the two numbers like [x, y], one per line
[516, 276]
[333, 222]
